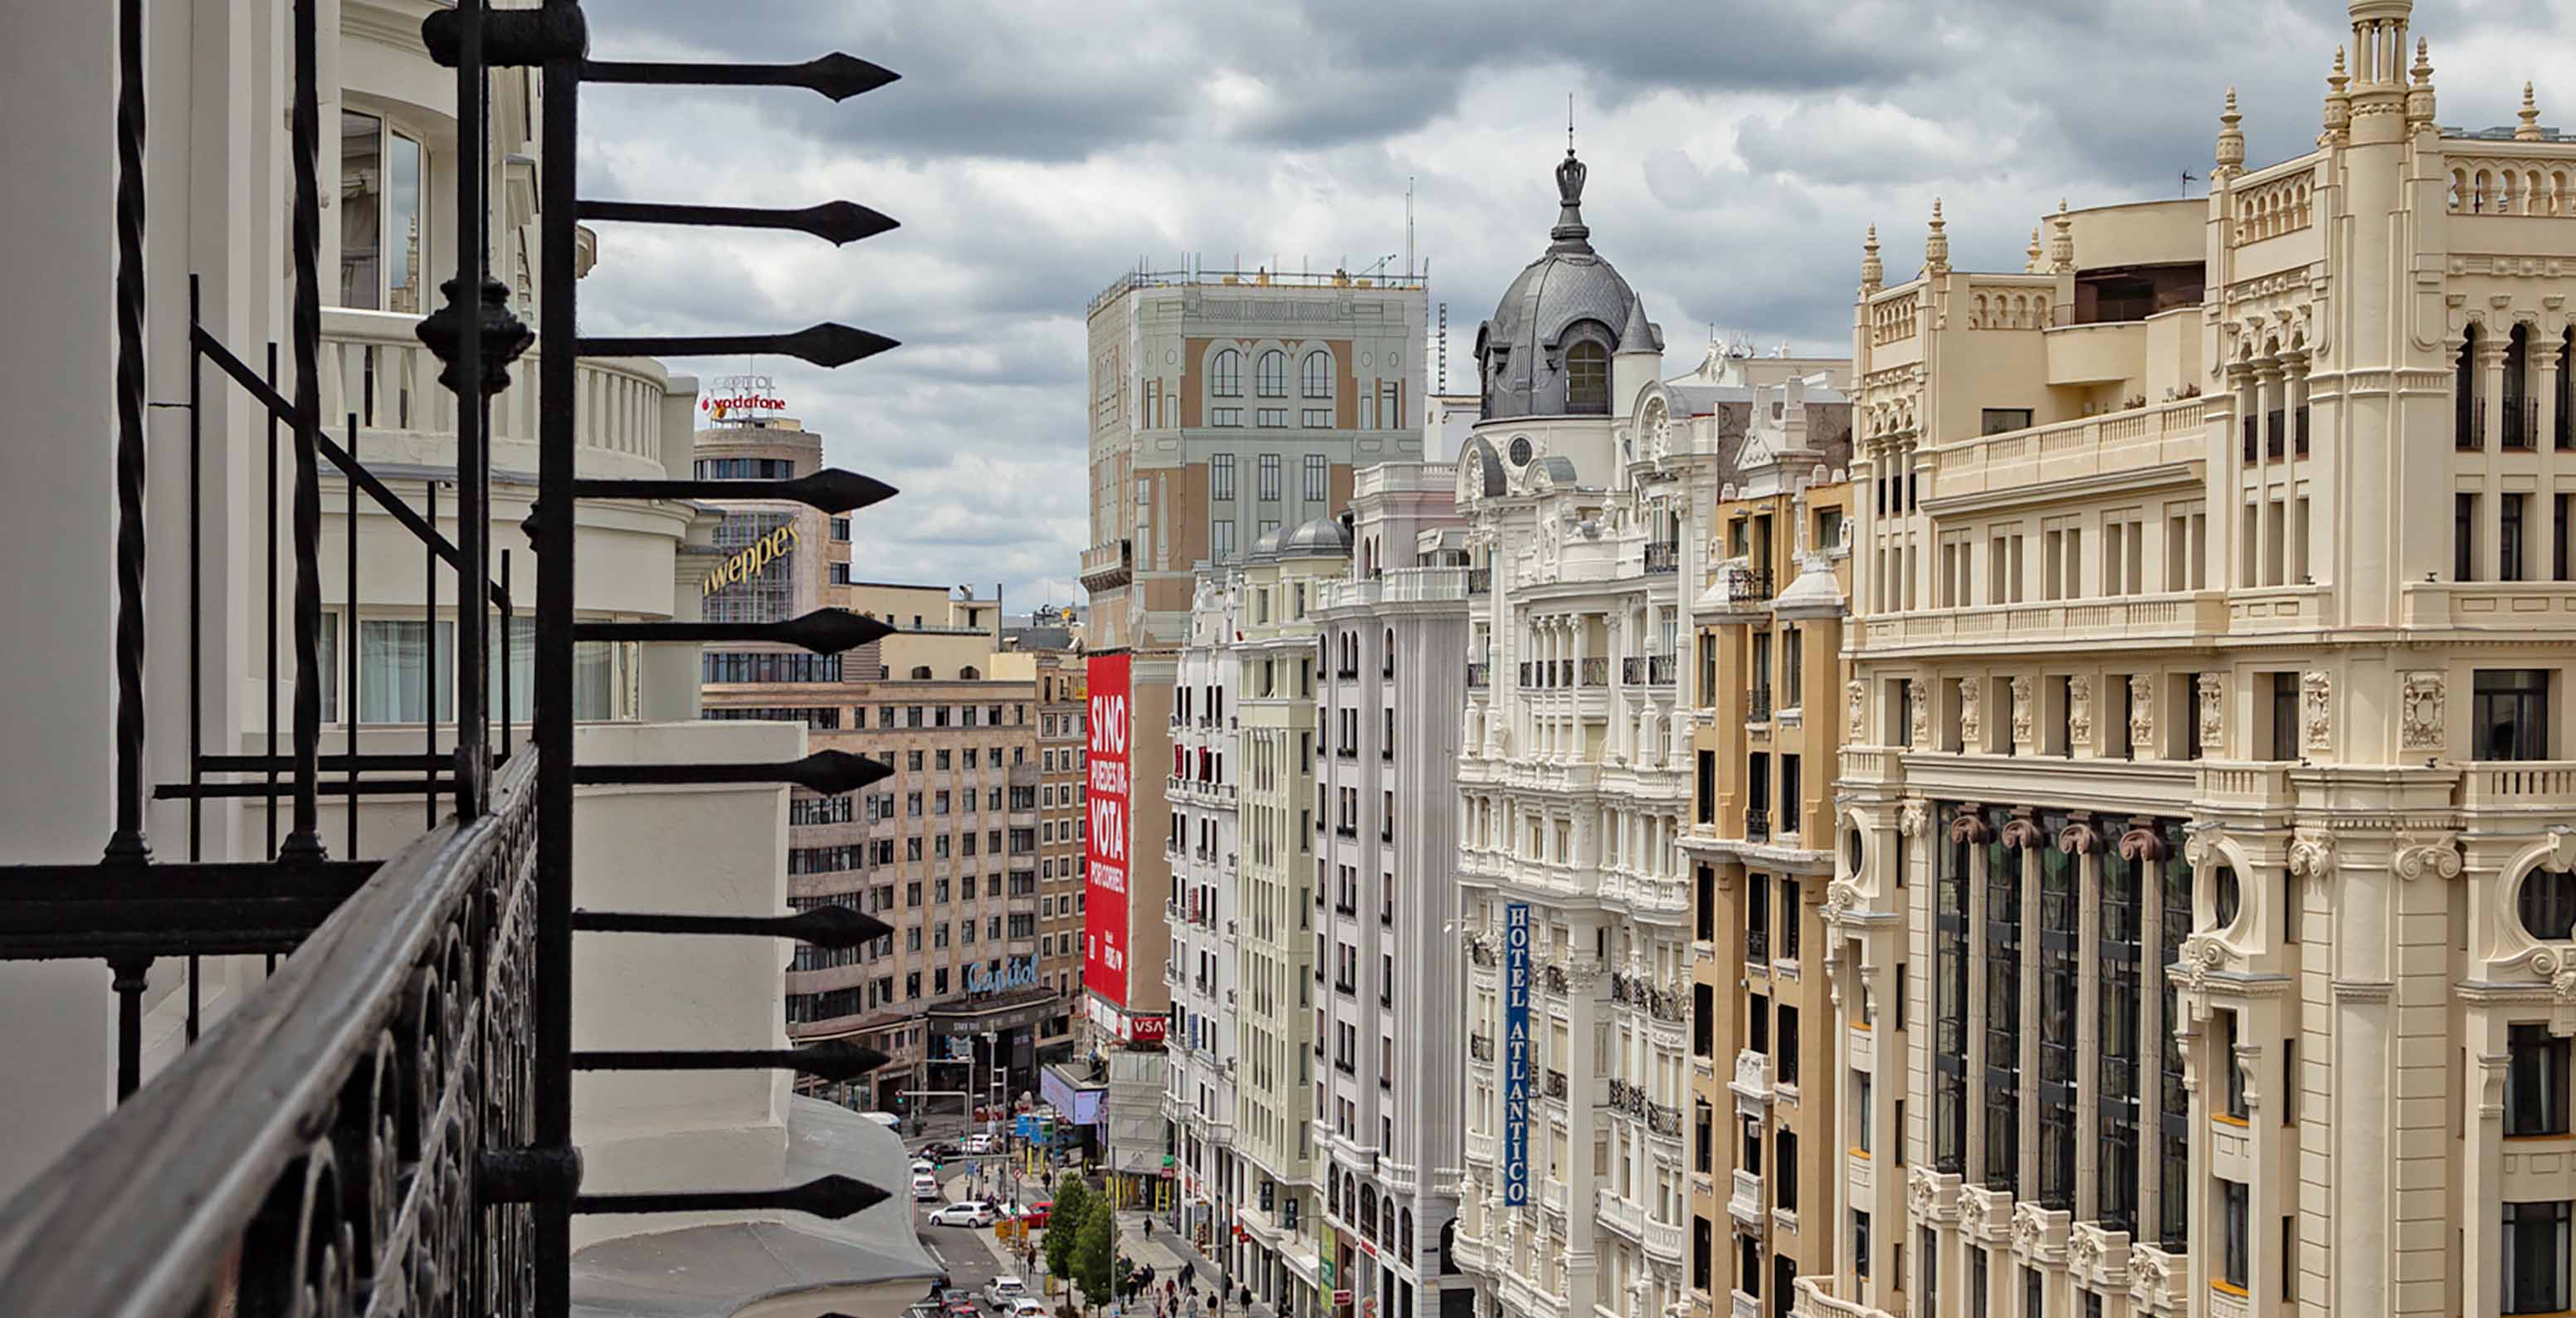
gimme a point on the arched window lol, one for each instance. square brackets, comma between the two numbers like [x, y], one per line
[968, 673]
[1225, 375]
[1587, 378]
[1273, 378]
[2548, 903]
[921, 673]
[1318, 372]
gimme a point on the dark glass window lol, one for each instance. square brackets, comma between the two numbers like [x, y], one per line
[1950, 1005]
[2285, 716]
[2535, 1081]
[1785, 1062]
[1587, 378]
[1860, 1243]
[2059, 933]
[1980, 1280]
[2510, 563]
[2116, 1089]
[2548, 903]
[2003, 1008]
[2509, 715]
[2236, 1225]
[2535, 1257]
[2227, 1040]
[2173, 1101]
[2464, 537]
[1784, 1189]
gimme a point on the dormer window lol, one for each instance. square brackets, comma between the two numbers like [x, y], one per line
[1587, 378]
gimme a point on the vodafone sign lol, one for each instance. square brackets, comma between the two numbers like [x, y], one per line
[1104, 926]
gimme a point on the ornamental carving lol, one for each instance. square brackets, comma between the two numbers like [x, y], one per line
[2560, 970]
[2419, 703]
[1911, 820]
[2200, 955]
[2142, 711]
[1971, 711]
[2079, 839]
[2316, 710]
[2146, 1275]
[2143, 843]
[1922, 723]
[2079, 709]
[2421, 854]
[2200, 845]
[2213, 711]
[2021, 711]
[1841, 898]
[1966, 825]
[1919, 1187]
[2312, 855]
[1854, 692]
[2084, 1253]
[2021, 834]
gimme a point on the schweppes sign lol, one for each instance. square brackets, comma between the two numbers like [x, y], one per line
[761, 553]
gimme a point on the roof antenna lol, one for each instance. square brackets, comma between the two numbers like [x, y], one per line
[1569, 123]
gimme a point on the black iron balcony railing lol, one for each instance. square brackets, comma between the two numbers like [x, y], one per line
[2562, 426]
[1556, 1085]
[1596, 670]
[1480, 581]
[1757, 705]
[1526, 669]
[1757, 825]
[1659, 670]
[1662, 556]
[1757, 946]
[2275, 433]
[2472, 426]
[2299, 436]
[2253, 438]
[385, 1124]
[2521, 423]
[1480, 675]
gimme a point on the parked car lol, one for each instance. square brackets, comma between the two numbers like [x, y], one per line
[1005, 1291]
[925, 1188]
[966, 1214]
[1036, 1214]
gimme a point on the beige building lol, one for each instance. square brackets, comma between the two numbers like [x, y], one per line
[2202, 916]
[1768, 686]
[1224, 407]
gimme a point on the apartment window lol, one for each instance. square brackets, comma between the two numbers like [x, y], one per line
[1928, 1254]
[1784, 1169]
[1221, 477]
[1221, 540]
[1317, 485]
[1748, 1264]
[2509, 549]
[1789, 912]
[1225, 375]
[2464, 537]
[2535, 1257]
[2509, 714]
[1705, 904]
[1703, 1247]
[2034, 1294]
[2285, 716]
[1316, 418]
[1229, 417]
[2236, 1107]
[2535, 1081]
[1980, 1280]
[1860, 1243]
[1860, 1082]
[1703, 1020]
[383, 235]
[1270, 418]
[2003, 420]
[2236, 1225]
[1272, 376]
[1267, 487]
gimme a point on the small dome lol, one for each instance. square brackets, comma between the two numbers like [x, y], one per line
[1323, 537]
[1267, 547]
[1569, 302]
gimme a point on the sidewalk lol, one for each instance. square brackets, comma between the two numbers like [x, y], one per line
[1171, 1255]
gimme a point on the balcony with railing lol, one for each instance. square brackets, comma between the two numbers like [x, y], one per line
[1757, 824]
[1757, 705]
[1744, 1202]
[1662, 556]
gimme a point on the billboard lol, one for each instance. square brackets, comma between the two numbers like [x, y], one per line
[1516, 1053]
[1104, 925]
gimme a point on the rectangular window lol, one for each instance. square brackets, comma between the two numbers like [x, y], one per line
[1221, 541]
[2002, 420]
[1225, 416]
[1784, 1170]
[2509, 714]
[1784, 1063]
[2236, 1225]
[1860, 1243]
[1316, 418]
[1267, 486]
[2002, 1108]
[1221, 478]
[2464, 537]
[2509, 547]
[2285, 716]
[2535, 1081]
[2535, 1257]
[1318, 479]
[1980, 1280]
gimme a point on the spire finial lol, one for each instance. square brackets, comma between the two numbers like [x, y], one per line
[2030, 266]
[2419, 98]
[1873, 274]
[1570, 233]
[2529, 131]
[1569, 125]
[2061, 244]
[2423, 62]
[2231, 141]
[1936, 244]
[2338, 116]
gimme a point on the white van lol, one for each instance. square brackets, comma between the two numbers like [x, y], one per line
[925, 1188]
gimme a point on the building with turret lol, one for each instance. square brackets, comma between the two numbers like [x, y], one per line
[2204, 903]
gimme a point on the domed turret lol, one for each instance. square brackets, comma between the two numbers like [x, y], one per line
[1547, 349]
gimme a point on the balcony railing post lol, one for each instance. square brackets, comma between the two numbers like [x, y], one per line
[127, 842]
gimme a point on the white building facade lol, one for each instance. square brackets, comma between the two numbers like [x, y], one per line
[1199, 1100]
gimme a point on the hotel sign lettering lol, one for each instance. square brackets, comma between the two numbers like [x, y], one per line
[1516, 1053]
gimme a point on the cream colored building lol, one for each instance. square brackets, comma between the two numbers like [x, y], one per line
[2201, 924]
[1574, 782]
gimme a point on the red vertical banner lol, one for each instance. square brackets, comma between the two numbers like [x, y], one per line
[1104, 925]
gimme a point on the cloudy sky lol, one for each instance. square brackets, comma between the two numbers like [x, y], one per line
[1036, 149]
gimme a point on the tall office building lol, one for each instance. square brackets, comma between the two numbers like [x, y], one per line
[1224, 408]
[2202, 926]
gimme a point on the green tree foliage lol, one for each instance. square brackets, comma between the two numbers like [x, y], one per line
[1095, 1252]
[1065, 1221]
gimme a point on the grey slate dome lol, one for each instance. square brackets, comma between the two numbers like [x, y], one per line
[1546, 350]
[1267, 547]
[1323, 537]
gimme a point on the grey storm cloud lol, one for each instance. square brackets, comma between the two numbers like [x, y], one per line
[1035, 149]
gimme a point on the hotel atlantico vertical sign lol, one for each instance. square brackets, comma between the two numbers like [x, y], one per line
[1516, 1053]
